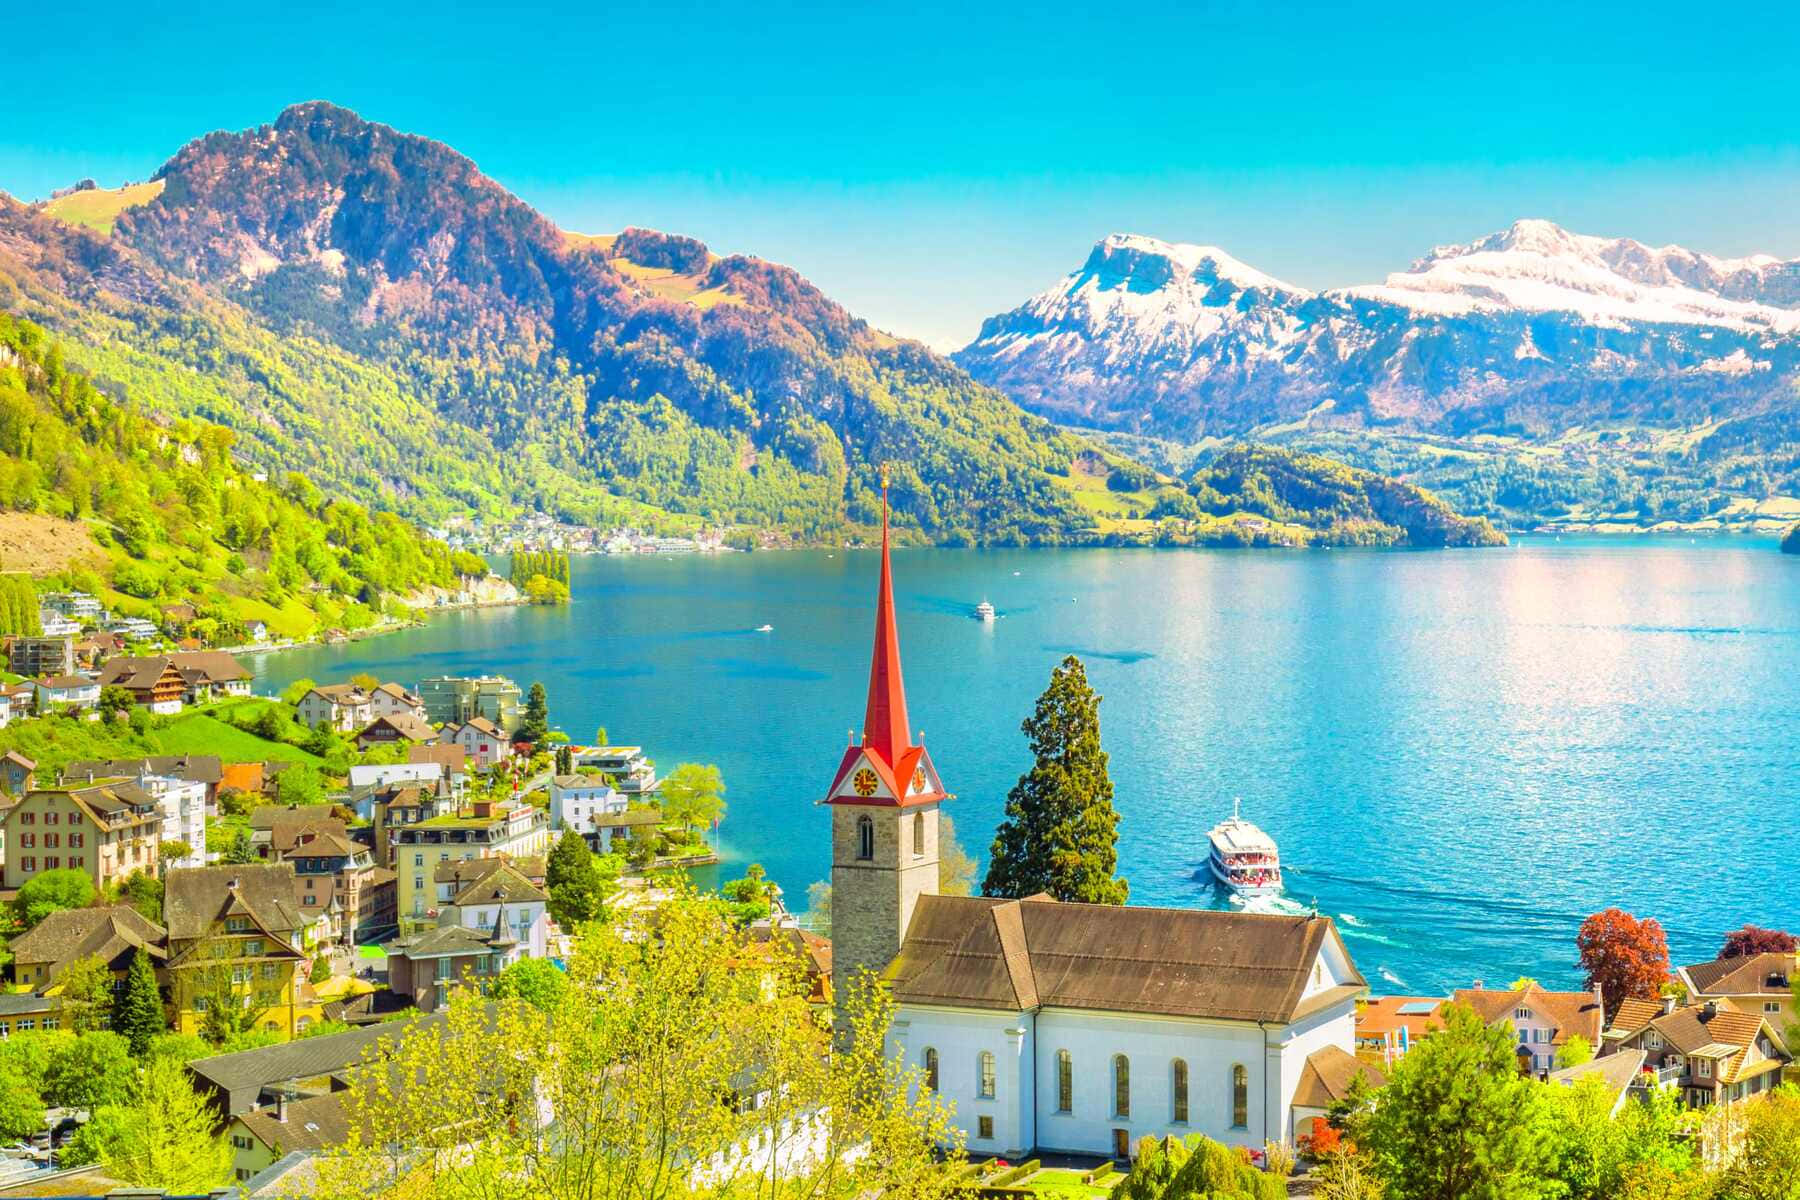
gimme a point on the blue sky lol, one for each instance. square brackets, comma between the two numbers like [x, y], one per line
[931, 164]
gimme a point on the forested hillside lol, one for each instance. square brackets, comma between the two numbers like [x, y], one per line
[174, 518]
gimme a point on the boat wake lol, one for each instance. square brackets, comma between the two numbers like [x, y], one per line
[1280, 906]
[1351, 919]
[1390, 977]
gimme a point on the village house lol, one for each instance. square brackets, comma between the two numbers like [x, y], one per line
[453, 875]
[387, 729]
[1757, 984]
[392, 700]
[1712, 1053]
[35, 656]
[6, 708]
[94, 649]
[180, 786]
[210, 674]
[248, 1080]
[502, 899]
[335, 877]
[261, 1136]
[398, 804]
[1543, 1021]
[625, 766]
[340, 706]
[601, 815]
[1620, 1072]
[1061, 1027]
[481, 740]
[107, 830]
[27, 1012]
[455, 700]
[449, 756]
[113, 934]
[493, 915]
[234, 938]
[1388, 1026]
[486, 828]
[57, 692]
[256, 631]
[16, 773]
[155, 682]
[131, 629]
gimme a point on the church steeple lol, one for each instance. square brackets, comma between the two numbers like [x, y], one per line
[886, 767]
[885, 729]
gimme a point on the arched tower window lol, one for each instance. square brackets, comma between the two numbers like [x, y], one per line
[1240, 1097]
[1065, 1082]
[984, 1075]
[931, 1068]
[1178, 1071]
[865, 838]
[918, 835]
[1121, 1086]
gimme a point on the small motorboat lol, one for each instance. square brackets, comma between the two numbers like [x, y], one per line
[765, 629]
[984, 611]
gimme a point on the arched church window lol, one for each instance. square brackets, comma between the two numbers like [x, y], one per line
[1240, 1097]
[1121, 1086]
[865, 838]
[1179, 1071]
[931, 1068]
[984, 1075]
[1065, 1082]
[918, 835]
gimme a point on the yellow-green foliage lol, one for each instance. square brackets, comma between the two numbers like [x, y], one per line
[180, 520]
[99, 208]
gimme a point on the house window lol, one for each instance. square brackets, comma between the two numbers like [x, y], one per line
[865, 839]
[237, 925]
[253, 946]
[77, 840]
[1703, 1068]
[984, 1128]
[984, 1075]
[1240, 1097]
[52, 840]
[931, 1068]
[1179, 1071]
[1521, 1014]
[52, 863]
[1771, 1006]
[918, 835]
[28, 862]
[1065, 1082]
[1121, 1086]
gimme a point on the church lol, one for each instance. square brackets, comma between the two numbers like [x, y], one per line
[1072, 1028]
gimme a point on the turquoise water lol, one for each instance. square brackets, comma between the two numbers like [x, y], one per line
[1461, 753]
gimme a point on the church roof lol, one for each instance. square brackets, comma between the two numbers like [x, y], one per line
[887, 747]
[977, 952]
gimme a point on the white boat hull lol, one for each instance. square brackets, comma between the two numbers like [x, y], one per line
[1268, 887]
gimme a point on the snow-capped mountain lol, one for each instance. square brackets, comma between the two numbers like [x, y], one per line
[1531, 327]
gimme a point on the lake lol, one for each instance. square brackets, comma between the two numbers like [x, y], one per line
[1461, 753]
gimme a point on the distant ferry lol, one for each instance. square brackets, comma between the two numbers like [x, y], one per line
[984, 611]
[765, 629]
[1244, 858]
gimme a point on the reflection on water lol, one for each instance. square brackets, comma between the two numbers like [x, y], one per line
[1467, 750]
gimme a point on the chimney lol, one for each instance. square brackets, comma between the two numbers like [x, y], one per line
[281, 1103]
[1709, 1010]
[1478, 985]
[1668, 1005]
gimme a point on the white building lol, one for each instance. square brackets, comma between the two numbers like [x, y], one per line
[481, 740]
[392, 700]
[182, 803]
[340, 706]
[56, 691]
[1080, 1028]
[502, 902]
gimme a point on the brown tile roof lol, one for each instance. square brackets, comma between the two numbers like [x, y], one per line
[194, 898]
[446, 754]
[1571, 1012]
[315, 1123]
[479, 725]
[113, 934]
[215, 666]
[341, 693]
[409, 726]
[13, 756]
[63, 683]
[104, 801]
[464, 871]
[1752, 975]
[1616, 1070]
[1018, 954]
[1326, 1076]
[195, 768]
[1634, 1014]
[138, 674]
[504, 884]
[398, 693]
[242, 777]
[1382, 1014]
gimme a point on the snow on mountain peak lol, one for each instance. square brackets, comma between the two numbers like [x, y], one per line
[1148, 260]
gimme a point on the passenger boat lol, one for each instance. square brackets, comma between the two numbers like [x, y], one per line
[1243, 857]
[984, 611]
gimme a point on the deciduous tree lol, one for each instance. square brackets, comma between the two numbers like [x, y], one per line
[86, 987]
[51, 891]
[692, 795]
[1753, 939]
[1061, 832]
[1457, 1121]
[162, 1137]
[1626, 957]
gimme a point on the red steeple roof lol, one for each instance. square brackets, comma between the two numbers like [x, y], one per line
[898, 772]
[885, 729]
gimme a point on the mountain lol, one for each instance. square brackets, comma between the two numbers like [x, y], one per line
[1663, 381]
[97, 496]
[366, 304]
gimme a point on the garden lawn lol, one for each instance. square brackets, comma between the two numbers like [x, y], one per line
[1062, 1183]
[203, 733]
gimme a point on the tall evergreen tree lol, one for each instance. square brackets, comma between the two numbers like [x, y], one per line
[573, 881]
[537, 715]
[138, 1012]
[1061, 831]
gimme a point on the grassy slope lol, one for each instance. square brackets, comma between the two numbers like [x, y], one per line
[99, 208]
[204, 733]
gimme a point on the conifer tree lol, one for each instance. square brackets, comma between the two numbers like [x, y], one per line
[537, 715]
[138, 1012]
[573, 881]
[1060, 834]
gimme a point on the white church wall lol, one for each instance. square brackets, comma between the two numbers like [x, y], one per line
[1334, 1026]
[1210, 1049]
[960, 1036]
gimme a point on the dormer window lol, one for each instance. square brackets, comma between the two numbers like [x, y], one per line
[1521, 1014]
[237, 924]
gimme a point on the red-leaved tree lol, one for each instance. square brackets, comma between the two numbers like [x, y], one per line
[1626, 957]
[1753, 939]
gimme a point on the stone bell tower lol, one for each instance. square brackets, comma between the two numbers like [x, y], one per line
[884, 813]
